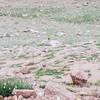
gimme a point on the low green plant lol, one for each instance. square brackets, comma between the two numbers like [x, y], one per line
[7, 86]
[53, 72]
[97, 83]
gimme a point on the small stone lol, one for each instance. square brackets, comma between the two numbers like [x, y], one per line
[32, 98]
[14, 97]
[24, 15]
[45, 50]
[58, 98]
[34, 31]
[20, 97]
[25, 70]
[86, 3]
[9, 98]
[40, 92]
[44, 65]
[55, 43]
[5, 98]
[60, 33]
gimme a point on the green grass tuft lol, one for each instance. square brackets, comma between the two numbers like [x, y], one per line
[7, 86]
[53, 72]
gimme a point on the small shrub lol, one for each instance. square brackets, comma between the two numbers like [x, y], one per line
[7, 86]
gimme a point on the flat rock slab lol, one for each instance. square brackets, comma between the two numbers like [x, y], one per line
[53, 89]
[25, 93]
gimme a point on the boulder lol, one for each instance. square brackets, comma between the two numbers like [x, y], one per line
[54, 89]
[79, 78]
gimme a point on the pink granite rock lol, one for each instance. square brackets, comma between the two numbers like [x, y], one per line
[54, 89]
[25, 93]
[79, 78]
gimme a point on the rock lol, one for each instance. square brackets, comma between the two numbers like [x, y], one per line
[86, 3]
[19, 74]
[55, 43]
[54, 89]
[34, 31]
[5, 98]
[39, 92]
[15, 97]
[25, 70]
[32, 98]
[59, 33]
[1, 97]
[20, 97]
[9, 98]
[44, 65]
[79, 78]
[24, 15]
[25, 93]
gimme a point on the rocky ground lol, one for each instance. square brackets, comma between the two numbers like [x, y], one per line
[59, 57]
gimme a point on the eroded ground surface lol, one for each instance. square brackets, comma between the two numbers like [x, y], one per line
[36, 39]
